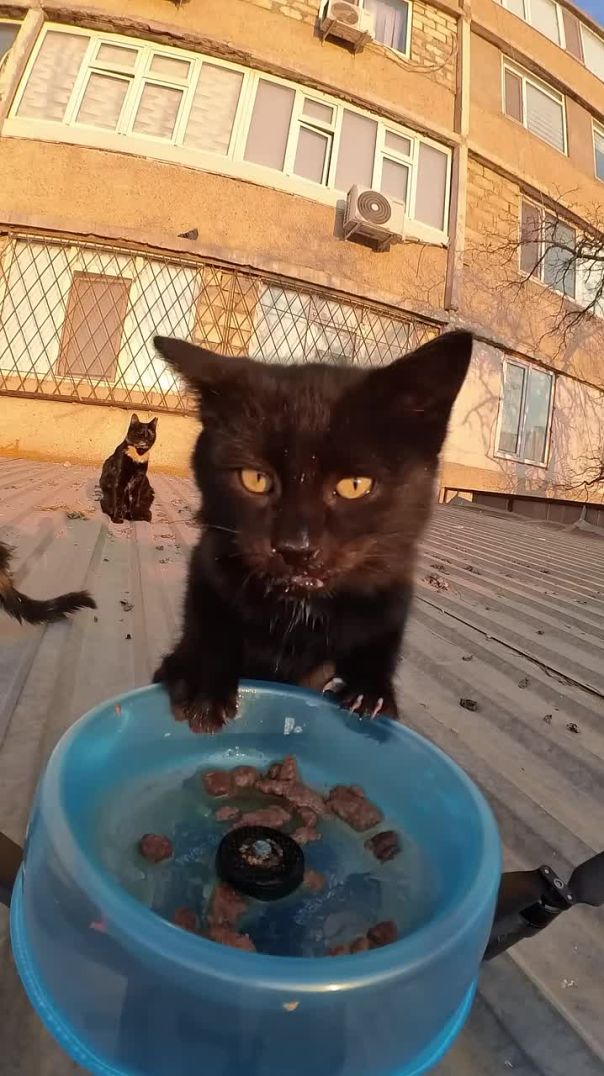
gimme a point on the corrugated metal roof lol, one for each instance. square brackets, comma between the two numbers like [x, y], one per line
[523, 601]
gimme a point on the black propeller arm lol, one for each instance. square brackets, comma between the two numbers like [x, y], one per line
[529, 901]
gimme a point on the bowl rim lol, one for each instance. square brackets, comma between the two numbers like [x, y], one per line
[147, 932]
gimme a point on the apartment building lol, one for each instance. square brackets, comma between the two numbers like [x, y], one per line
[299, 180]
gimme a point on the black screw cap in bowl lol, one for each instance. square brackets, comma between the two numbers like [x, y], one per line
[260, 862]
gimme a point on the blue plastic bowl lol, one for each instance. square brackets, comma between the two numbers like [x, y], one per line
[126, 992]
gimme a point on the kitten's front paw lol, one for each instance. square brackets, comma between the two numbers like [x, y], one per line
[205, 711]
[372, 702]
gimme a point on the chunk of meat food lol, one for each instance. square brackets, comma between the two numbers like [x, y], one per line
[225, 936]
[155, 847]
[350, 804]
[227, 906]
[218, 782]
[381, 934]
[186, 919]
[275, 817]
[384, 845]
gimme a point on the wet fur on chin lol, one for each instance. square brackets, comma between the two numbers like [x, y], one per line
[283, 583]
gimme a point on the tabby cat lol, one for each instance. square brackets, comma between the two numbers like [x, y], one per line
[126, 490]
[316, 482]
[33, 610]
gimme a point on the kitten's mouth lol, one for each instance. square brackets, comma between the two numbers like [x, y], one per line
[306, 582]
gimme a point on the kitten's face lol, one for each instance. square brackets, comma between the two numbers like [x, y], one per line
[317, 479]
[141, 435]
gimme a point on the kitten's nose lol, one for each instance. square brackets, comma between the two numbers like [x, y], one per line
[295, 548]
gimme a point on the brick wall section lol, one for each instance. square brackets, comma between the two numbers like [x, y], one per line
[433, 36]
[433, 42]
[493, 205]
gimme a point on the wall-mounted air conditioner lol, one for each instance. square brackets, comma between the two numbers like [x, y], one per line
[345, 20]
[374, 216]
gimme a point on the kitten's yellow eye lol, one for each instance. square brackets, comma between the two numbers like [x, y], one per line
[255, 481]
[353, 488]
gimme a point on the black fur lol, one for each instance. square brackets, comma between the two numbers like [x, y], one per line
[298, 583]
[32, 610]
[126, 490]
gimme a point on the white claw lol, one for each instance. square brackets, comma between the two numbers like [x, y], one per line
[378, 707]
[358, 702]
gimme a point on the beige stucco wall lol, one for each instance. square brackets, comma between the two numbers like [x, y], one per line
[86, 434]
[577, 436]
[93, 192]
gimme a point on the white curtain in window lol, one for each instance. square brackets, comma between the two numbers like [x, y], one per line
[593, 51]
[157, 112]
[544, 17]
[390, 26]
[213, 109]
[103, 100]
[53, 76]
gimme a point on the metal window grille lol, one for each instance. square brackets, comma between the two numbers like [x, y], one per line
[77, 321]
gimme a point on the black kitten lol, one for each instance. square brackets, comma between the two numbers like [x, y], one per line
[20, 607]
[127, 492]
[316, 484]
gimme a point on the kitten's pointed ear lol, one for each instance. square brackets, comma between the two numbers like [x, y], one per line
[133, 419]
[193, 363]
[154, 422]
[210, 376]
[422, 387]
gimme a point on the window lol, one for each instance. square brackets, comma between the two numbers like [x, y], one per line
[392, 20]
[534, 105]
[593, 51]
[8, 33]
[293, 326]
[599, 151]
[114, 91]
[92, 330]
[562, 27]
[548, 249]
[524, 413]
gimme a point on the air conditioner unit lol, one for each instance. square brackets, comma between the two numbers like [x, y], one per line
[347, 21]
[374, 216]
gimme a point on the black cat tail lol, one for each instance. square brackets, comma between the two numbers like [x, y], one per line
[32, 610]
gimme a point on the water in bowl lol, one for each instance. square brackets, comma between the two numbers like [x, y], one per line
[359, 891]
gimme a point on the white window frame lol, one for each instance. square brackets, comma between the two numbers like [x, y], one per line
[581, 297]
[583, 28]
[232, 163]
[9, 22]
[596, 132]
[527, 78]
[397, 52]
[525, 367]
[543, 212]
[588, 30]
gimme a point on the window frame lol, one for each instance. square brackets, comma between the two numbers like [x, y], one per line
[583, 29]
[581, 298]
[406, 52]
[64, 372]
[232, 163]
[9, 22]
[526, 367]
[597, 131]
[527, 78]
[588, 30]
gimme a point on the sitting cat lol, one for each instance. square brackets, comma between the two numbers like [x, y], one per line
[317, 482]
[33, 610]
[126, 490]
